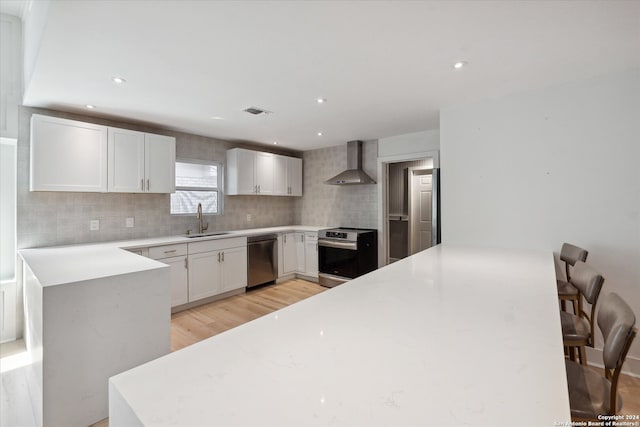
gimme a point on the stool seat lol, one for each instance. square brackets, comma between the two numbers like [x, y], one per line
[574, 328]
[566, 289]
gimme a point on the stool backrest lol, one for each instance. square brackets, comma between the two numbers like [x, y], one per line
[587, 280]
[570, 254]
[616, 321]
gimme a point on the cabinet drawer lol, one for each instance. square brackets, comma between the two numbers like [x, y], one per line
[166, 251]
[216, 244]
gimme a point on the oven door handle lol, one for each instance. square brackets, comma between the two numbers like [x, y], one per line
[352, 246]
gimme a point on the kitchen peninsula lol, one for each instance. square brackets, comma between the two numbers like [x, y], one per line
[93, 311]
[450, 336]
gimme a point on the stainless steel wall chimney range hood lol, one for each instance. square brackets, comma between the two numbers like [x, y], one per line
[354, 174]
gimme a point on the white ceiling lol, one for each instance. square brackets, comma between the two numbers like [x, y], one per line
[385, 67]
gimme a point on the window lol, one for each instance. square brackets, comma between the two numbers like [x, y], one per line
[197, 182]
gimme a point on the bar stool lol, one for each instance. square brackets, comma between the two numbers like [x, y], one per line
[578, 330]
[590, 394]
[570, 254]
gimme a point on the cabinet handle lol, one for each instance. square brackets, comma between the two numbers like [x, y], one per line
[170, 252]
[255, 189]
[285, 238]
[186, 262]
[147, 185]
[219, 256]
[258, 189]
[142, 184]
[222, 256]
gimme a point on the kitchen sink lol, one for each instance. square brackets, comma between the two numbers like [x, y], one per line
[213, 233]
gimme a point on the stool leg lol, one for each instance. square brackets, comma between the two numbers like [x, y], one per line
[583, 356]
[575, 307]
[563, 305]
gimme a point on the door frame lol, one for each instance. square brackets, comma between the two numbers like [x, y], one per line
[383, 194]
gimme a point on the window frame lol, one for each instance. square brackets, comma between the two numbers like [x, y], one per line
[219, 190]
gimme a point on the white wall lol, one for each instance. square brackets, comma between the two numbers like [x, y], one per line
[10, 74]
[537, 169]
[7, 208]
[409, 143]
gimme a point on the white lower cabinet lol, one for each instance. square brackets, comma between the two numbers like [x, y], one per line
[300, 259]
[289, 253]
[311, 254]
[298, 252]
[175, 256]
[217, 266]
[234, 268]
[205, 270]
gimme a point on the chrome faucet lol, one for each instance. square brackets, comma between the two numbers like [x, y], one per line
[201, 228]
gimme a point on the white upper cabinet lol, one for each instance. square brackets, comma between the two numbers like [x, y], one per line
[67, 155]
[241, 165]
[256, 172]
[160, 163]
[294, 176]
[280, 179]
[126, 161]
[264, 173]
[287, 176]
[141, 162]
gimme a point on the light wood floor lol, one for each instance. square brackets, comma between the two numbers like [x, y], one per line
[196, 324]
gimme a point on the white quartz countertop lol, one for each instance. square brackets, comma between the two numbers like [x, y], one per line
[74, 263]
[451, 336]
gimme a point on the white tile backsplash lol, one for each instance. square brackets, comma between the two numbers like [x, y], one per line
[338, 205]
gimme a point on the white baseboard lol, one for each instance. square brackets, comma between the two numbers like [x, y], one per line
[631, 365]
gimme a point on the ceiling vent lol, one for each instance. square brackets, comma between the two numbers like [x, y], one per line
[256, 111]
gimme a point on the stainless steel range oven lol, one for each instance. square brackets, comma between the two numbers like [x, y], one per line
[346, 253]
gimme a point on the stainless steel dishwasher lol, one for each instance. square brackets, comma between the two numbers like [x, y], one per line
[262, 259]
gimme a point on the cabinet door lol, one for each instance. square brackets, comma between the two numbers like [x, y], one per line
[204, 275]
[67, 155]
[246, 164]
[280, 181]
[179, 279]
[234, 268]
[289, 255]
[264, 173]
[294, 176]
[311, 254]
[160, 163]
[126, 161]
[300, 257]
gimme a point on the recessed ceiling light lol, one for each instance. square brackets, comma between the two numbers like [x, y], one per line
[217, 118]
[459, 64]
[118, 80]
[321, 100]
[90, 106]
[275, 142]
[320, 134]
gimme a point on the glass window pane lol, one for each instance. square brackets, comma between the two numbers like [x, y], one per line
[186, 202]
[196, 175]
